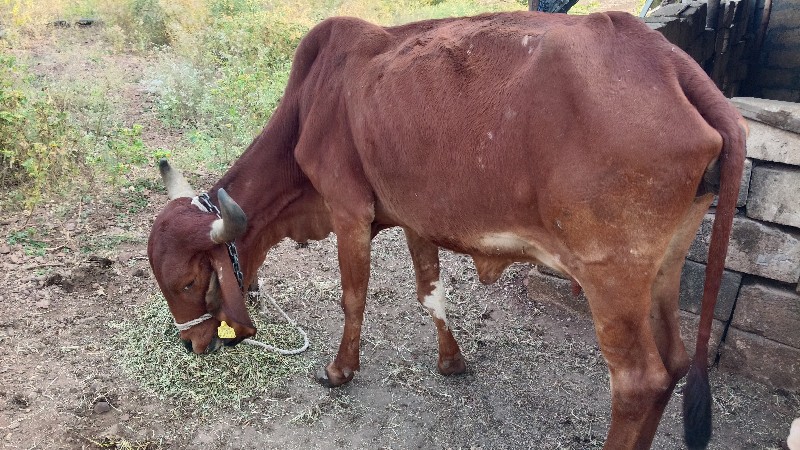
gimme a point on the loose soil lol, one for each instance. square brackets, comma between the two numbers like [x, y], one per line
[535, 376]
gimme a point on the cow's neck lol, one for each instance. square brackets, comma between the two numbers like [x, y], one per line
[278, 199]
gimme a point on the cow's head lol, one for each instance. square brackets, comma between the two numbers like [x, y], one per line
[190, 261]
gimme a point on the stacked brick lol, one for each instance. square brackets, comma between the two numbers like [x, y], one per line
[760, 301]
[724, 52]
[756, 329]
[777, 73]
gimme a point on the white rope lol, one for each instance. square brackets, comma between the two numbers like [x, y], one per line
[186, 325]
[272, 348]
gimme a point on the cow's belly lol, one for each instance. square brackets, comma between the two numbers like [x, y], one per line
[492, 242]
[515, 247]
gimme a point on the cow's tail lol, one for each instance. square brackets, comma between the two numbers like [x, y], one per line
[719, 113]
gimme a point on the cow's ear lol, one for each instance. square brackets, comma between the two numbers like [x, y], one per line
[214, 293]
[232, 308]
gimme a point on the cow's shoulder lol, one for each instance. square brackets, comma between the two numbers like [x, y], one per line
[346, 34]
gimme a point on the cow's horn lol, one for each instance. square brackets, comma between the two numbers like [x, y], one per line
[177, 186]
[233, 222]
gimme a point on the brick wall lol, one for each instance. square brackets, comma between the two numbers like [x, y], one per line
[775, 73]
[725, 53]
[754, 50]
[762, 338]
[756, 328]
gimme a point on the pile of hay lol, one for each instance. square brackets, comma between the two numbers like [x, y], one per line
[149, 351]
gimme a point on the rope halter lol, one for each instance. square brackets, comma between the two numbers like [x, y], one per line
[186, 325]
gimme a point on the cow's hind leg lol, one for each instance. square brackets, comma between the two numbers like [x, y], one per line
[619, 297]
[664, 315]
[430, 293]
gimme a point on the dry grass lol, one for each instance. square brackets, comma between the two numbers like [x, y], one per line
[150, 352]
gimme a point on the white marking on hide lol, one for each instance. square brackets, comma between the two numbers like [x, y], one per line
[196, 202]
[216, 228]
[435, 302]
[490, 135]
[507, 243]
[504, 242]
[525, 40]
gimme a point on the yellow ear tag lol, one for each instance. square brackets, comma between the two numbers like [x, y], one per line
[225, 332]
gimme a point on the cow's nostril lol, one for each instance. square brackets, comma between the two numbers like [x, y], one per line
[215, 345]
[188, 345]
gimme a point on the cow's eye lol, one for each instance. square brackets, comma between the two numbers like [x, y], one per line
[188, 286]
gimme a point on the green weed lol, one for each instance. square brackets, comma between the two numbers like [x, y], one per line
[118, 443]
[38, 151]
[585, 7]
[27, 238]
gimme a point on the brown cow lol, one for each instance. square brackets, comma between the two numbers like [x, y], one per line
[589, 144]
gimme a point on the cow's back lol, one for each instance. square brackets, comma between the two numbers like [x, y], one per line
[466, 126]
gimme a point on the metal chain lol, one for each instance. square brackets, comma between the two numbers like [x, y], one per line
[205, 200]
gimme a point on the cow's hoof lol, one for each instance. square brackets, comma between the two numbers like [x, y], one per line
[452, 366]
[330, 378]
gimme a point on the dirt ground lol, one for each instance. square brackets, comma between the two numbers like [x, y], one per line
[535, 376]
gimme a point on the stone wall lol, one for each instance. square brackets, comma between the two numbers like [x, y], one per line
[756, 329]
[726, 53]
[753, 51]
[776, 70]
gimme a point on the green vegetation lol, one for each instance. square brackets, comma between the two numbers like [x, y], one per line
[585, 7]
[37, 144]
[216, 69]
[27, 237]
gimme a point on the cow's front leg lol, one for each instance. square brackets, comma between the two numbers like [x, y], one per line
[353, 242]
[430, 293]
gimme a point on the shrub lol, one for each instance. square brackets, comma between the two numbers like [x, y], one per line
[38, 148]
[139, 23]
[118, 151]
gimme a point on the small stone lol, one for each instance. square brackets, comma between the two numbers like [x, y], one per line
[13, 426]
[103, 262]
[125, 417]
[85, 22]
[5, 249]
[54, 278]
[139, 273]
[112, 432]
[102, 407]
[43, 304]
